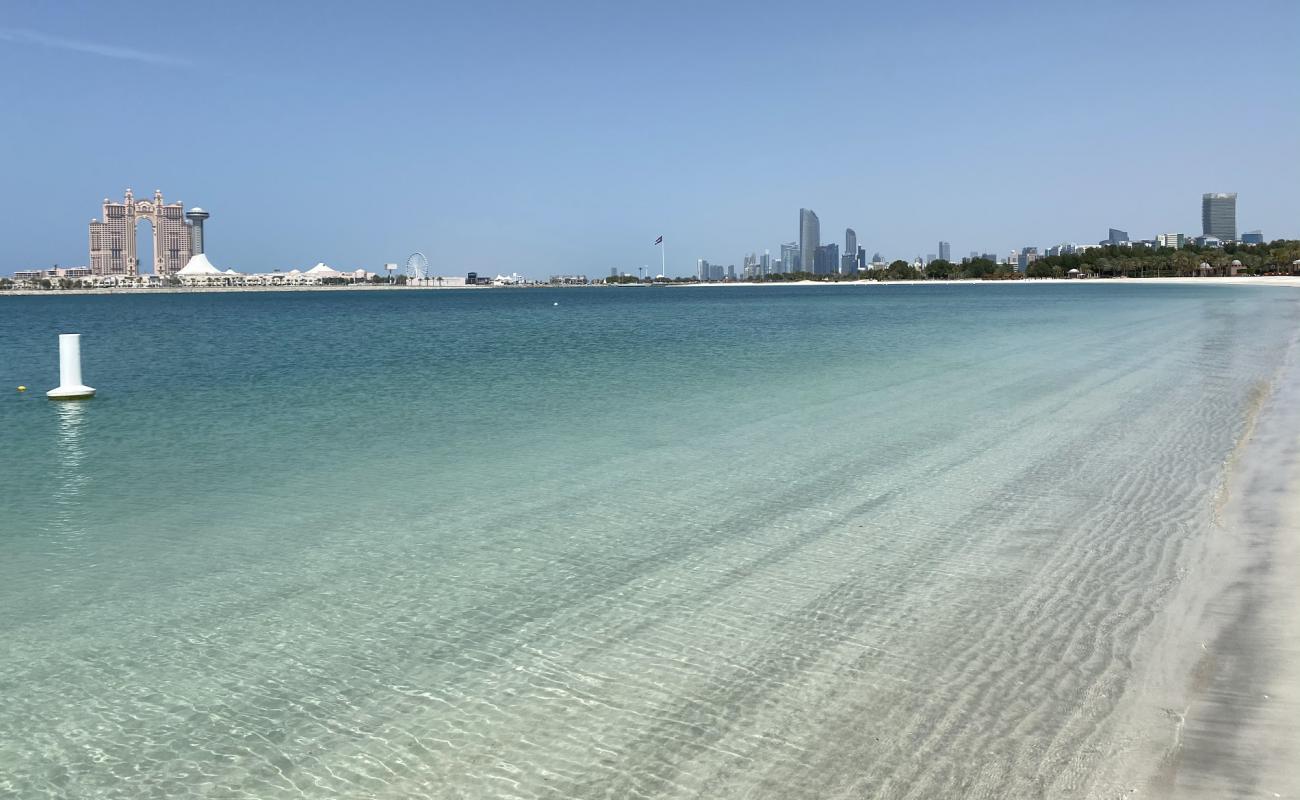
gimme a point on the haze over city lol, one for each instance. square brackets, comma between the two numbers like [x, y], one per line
[546, 139]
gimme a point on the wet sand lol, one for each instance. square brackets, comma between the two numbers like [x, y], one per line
[1241, 732]
[1218, 714]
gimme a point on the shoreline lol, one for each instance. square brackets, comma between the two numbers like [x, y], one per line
[1215, 711]
[233, 289]
[1289, 281]
[1240, 280]
[1240, 728]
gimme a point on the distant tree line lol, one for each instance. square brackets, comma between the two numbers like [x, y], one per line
[1274, 258]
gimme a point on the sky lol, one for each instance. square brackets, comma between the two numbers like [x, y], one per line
[547, 138]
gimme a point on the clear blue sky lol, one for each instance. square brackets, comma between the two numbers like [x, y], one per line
[564, 137]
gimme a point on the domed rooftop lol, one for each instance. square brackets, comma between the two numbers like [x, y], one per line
[197, 210]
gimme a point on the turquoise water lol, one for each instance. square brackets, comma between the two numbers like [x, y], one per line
[772, 542]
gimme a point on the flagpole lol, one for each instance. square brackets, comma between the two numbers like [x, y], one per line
[663, 259]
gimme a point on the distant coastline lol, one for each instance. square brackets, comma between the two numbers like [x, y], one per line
[1260, 280]
[1240, 280]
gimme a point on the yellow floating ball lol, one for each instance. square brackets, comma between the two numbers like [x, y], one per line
[22, 388]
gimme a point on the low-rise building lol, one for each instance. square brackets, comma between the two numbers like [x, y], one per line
[54, 273]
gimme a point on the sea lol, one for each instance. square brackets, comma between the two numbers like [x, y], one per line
[681, 542]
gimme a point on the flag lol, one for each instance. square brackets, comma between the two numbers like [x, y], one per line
[660, 240]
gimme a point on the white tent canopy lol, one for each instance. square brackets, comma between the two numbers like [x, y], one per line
[198, 265]
[200, 272]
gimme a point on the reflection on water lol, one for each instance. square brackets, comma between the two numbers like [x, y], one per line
[69, 519]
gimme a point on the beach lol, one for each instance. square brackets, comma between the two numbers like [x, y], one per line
[905, 542]
[1228, 662]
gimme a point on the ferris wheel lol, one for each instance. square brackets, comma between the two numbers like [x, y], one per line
[417, 266]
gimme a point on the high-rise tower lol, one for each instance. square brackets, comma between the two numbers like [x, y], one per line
[827, 259]
[790, 257]
[196, 216]
[1219, 215]
[112, 240]
[850, 242]
[810, 238]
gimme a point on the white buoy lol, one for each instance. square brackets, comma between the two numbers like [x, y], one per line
[70, 386]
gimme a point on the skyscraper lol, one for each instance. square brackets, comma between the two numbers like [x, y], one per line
[790, 257]
[945, 251]
[850, 242]
[810, 238]
[826, 260]
[1219, 215]
[112, 242]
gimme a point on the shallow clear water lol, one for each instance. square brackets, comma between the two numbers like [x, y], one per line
[772, 542]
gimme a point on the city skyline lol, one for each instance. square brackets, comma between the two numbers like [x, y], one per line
[113, 252]
[1219, 223]
[562, 140]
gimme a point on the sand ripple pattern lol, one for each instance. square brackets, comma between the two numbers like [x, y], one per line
[927, 578]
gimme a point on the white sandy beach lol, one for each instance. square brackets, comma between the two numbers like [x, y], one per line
[1216, 712]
